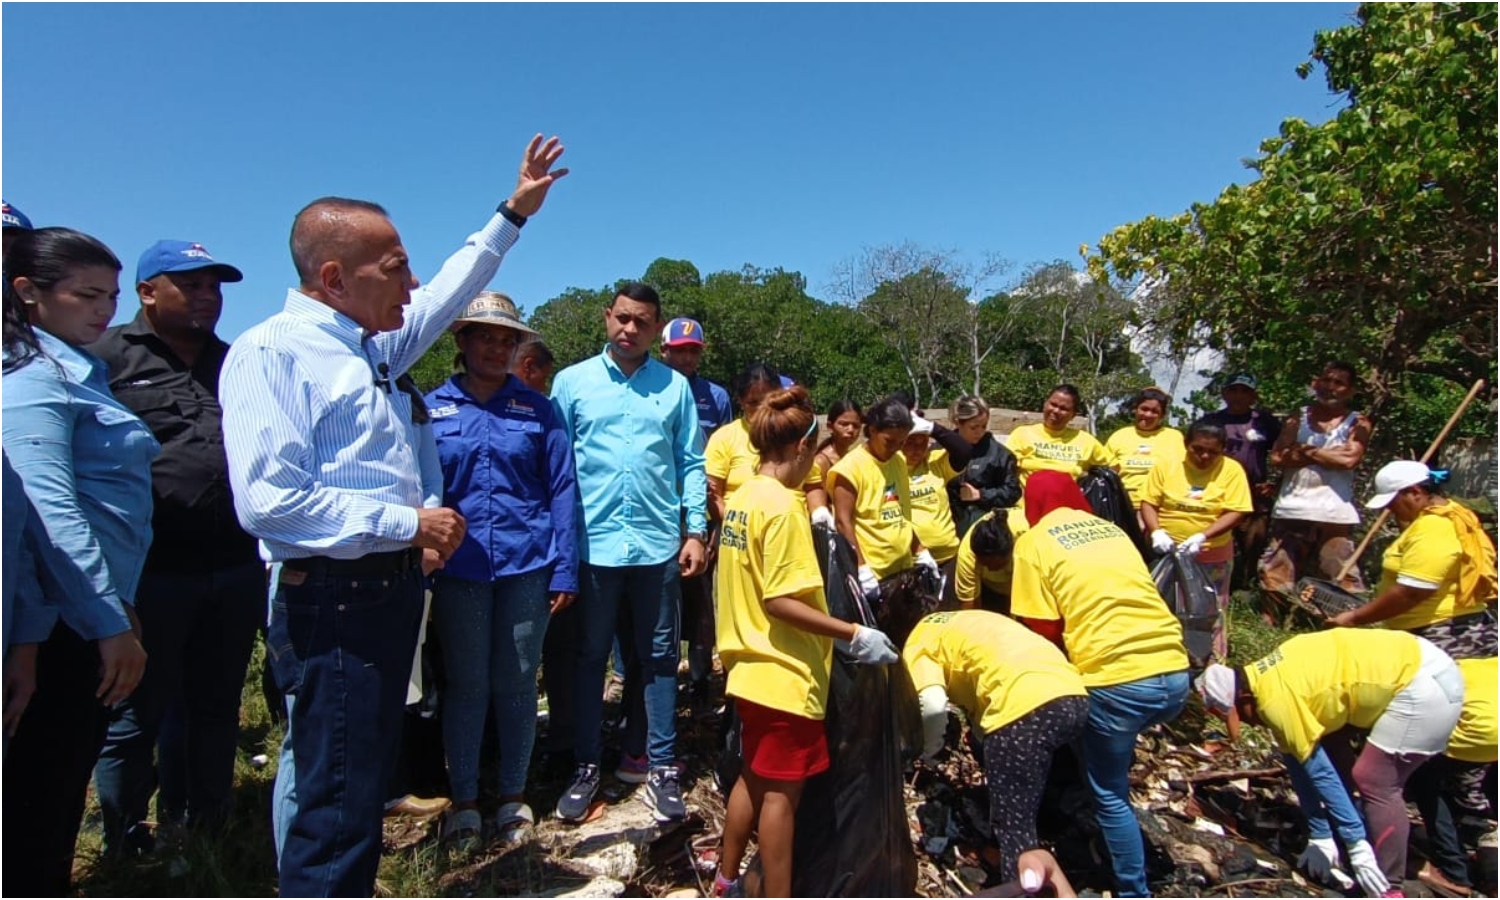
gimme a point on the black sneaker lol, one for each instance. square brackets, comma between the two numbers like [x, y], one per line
[663, 795]
[573, 805]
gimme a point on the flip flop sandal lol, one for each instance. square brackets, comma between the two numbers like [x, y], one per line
[513, 822]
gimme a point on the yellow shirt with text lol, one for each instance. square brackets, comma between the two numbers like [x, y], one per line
[1071, 450]
[766, 551]
[993, 668]
[1315, 684]
[931, 515]
[1478, 730]
[969, 575]
[882, 508]
[1188, 499]
[1427, 552]
[1134, 453]
[1080, 569]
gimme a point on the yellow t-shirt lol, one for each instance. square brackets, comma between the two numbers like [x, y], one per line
[1478, 729]
[882, 508]
[730, 456]
[969, 576]
[930, 513]
[1427, 554]
[766, 550]
[1071, 450]
[1083, 570]
[1188, 500]
[1315, 684]
[1135, 452]
[994, 668]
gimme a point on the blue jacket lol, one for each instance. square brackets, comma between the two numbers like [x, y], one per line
[508, 469]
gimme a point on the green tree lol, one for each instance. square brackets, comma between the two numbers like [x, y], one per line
[1370, 237]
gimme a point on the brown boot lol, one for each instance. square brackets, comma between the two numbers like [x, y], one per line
[1434, 878]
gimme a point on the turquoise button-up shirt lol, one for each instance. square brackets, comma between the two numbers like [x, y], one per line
[638, 451]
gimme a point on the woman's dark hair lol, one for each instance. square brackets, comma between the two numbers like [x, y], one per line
[753, 374]
[905, 398]
[887, 413]
[1071, 391]
[44, 257]
[839, 407]
[1205, 428]
[1150, 393]
[992, 537]
[783, 418]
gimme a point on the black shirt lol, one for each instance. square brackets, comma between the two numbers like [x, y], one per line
[194, 523]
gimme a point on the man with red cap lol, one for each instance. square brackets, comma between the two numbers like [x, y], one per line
[1080, 581]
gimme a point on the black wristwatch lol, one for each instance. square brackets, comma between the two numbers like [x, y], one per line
[510, 215]
[700, 536]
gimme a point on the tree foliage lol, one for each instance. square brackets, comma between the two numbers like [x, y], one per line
[1369, 237]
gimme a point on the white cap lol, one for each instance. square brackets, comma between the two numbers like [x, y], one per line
[920, 425]
[1394, 477]
[1216, 684]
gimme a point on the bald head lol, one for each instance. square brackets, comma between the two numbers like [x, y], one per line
[331, 229]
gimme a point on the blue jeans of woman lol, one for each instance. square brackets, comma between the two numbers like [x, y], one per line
[492, 635]
[1117, 715]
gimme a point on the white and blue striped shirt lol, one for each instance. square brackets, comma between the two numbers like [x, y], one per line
[319, 440]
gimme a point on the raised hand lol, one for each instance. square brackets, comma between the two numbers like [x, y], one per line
[536, 175]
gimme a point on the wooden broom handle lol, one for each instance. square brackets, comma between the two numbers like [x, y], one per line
[1431, 449]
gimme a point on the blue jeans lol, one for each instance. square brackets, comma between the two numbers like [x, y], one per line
[341, 649]
[492, 635]
[642, 604]
[1117, 714]
[198, 630]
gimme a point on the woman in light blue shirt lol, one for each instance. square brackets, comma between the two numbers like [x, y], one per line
[85, 463]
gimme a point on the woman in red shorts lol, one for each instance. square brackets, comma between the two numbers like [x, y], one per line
[776, 639]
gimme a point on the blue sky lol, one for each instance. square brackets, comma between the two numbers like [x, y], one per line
[788, 136]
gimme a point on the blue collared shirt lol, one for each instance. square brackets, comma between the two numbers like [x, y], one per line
[319, 439]
[712, 401]
[508, 468]
[28, 616]
[638, 449]
[85, 461]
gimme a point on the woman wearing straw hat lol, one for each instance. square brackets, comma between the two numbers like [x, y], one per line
[508, 468]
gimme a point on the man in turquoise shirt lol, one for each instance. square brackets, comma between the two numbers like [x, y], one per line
[639, 454]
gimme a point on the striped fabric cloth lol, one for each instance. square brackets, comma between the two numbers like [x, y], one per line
[318, 436]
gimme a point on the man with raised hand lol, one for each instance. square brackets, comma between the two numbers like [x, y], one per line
[324, 473]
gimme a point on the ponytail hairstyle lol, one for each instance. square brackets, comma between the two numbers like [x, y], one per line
[1071, 391]
[44, 257]
[1208, 429]
[783, 419]
[753, 374]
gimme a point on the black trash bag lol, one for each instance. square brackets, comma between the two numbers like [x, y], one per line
[1190, 596]
[852, 838]
[1106, 493]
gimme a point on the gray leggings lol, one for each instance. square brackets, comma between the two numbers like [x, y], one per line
[1016, 759]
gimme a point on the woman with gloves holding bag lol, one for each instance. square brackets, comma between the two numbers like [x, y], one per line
[1405, 692]
[1193, 505]
[871, 490]
[776, 639]
[1022, 698]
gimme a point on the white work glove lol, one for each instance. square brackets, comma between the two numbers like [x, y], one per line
[1319, 858]
[1161, 542]
[924, 560]
[871, 647]
[869, 583]
[821, 516]
[1367, 869]
[1192, 544]
[933, 702]
[920, 425]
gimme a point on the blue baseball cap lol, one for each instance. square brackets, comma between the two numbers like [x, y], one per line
[14, 218]
[683, 331]
[180, 256]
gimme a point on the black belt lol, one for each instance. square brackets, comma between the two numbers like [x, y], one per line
[371, 565]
